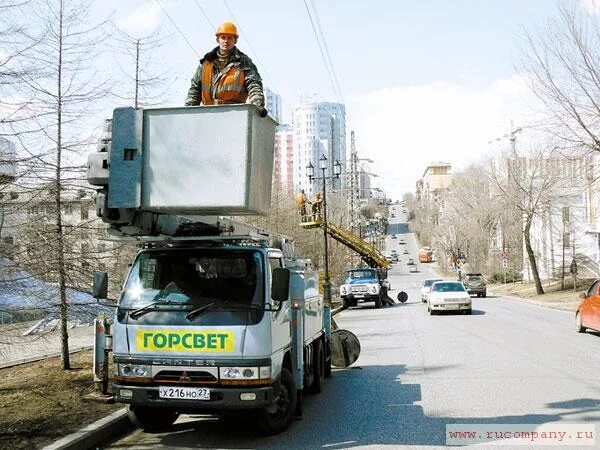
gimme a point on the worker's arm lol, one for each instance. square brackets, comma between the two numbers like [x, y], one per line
[194, 95]
[254, 86]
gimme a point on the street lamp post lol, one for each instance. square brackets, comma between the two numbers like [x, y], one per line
[337, 170]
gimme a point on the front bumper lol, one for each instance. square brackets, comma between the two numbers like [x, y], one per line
[475, 290]
[360, 297]
[221, 398]
[458, 306]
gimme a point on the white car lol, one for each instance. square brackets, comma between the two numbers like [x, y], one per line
[448, 296]
[426, 287]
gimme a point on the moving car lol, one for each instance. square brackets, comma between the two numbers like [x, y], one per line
[588, 311]
[448, 296]
[405, 252]
[394, 236]
[413, 269]
[426, 287]
[410, 262]
[475, 284]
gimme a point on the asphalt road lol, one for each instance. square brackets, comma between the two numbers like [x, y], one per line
[508, 363]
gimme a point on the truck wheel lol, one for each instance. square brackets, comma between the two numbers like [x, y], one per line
[378, 302]
[152, 419]
[345, 303]
[277, 417]
[319, 369]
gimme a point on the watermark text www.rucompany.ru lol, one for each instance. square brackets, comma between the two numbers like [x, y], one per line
[521, 434]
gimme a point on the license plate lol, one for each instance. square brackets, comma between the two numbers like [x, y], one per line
[184, 393]
[358, 295]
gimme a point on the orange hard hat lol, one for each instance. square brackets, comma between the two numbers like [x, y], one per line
[227, 28]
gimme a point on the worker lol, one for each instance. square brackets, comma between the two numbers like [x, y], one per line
[301, 203]
[226, 75]
[317, 205]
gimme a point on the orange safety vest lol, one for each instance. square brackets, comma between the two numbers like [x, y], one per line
[229, 86]
[300, 199]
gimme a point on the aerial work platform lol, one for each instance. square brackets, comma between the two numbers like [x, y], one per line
[368, 253]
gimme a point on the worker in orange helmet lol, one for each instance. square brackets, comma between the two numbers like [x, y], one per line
[226, 75]
[317, 206]
[301, 203]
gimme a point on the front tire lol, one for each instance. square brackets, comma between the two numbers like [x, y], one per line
[276, 417]
[579, 324]
[152, 419]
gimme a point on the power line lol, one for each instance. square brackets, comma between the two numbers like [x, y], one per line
[205, 15]
[325, 61]
[324, 41]
[177, 28]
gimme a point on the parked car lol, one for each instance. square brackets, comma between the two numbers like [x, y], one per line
[413, 269]
[588, 311]
[448, 296]
[410, 262]
[426, 287]
[475, 284]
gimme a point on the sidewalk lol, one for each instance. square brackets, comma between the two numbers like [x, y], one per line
[553, 297]
[16, 348]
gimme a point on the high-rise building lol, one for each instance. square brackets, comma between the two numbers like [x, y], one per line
[273, 105]
[7, 160]
[319, 129]
[283, 172]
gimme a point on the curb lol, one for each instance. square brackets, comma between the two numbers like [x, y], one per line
[95, 433]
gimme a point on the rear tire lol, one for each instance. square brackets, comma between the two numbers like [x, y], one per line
[277, 417]
[152, 419]
[316, 386]
[579, 324]
[484, 294]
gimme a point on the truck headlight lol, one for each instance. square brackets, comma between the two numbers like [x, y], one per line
[343, 289]
[245, 375]
[374, 288]
[133, 370]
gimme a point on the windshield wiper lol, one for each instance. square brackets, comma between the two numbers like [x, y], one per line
[194, 312]
[137, 313]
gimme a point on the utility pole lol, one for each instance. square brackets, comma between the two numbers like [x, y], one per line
[353, 181]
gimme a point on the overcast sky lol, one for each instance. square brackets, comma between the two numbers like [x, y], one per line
[422, 80]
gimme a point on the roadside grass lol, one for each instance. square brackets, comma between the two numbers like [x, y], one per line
[41, 403]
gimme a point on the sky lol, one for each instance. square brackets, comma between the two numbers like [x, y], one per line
[422, 81]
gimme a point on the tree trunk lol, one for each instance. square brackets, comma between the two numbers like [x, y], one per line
[532, 262]
[64, 334]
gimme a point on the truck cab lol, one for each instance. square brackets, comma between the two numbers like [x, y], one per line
[364, 285]
[204, 329]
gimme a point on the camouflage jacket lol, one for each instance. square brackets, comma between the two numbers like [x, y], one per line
[252, 81]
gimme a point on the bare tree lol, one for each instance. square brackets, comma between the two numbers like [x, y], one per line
[563, 59]
[65, 91]
[530, 183]
[149, 83]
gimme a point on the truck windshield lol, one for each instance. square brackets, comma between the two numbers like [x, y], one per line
[168, 284]
[362, 274]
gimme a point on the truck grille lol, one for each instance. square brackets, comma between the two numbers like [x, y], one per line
[358, 289]
[184, 376]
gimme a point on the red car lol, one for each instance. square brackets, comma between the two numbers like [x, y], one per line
[588, 311]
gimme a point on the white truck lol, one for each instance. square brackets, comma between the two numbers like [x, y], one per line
[215, 316]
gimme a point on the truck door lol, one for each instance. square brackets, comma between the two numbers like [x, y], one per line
[281, 319]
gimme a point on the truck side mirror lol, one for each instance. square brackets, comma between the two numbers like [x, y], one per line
[280, 284]
[100, 286]
[582, 295]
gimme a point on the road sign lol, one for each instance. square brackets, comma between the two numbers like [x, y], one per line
[504, 263]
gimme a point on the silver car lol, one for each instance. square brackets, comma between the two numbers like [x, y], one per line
[426, 287]
[448, 296]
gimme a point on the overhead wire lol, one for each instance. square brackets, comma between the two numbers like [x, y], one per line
[177, 28]
[324, 41]
[332, 78]
[205, 15]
